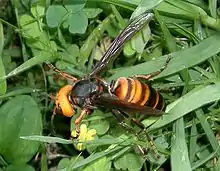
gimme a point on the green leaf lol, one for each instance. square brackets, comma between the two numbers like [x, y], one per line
[145, 6]
[129, 161]
[102, 164]
[38, 12]
[101, 126]
[138, 41]
[19, 116]
[179, 152]
[208, 130]
[92, 12]
[65, 163]
[78, 22]
[3, 84]
[72, 53]
[22, 167]
[18, 91]
[188, 103]
[127, 4]
[30, 27]
[41, 57]
[55, 15]
[96, 156]
[47, 139]
[193, 141]
[169, 39]
[74, 6]
[180, 60]
[187, 10]
[93, 39]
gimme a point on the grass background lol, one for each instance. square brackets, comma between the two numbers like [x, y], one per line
[73, 35]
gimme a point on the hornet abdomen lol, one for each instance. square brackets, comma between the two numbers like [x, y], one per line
[134, 91]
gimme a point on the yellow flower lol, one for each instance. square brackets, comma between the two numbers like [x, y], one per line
[84, 136]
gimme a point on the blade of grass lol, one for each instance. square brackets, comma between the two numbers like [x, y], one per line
[213, 8]
[199, 163]
[130, 5]
[169, 40]
[179, 152]
[3, 85]
[38, 59]
[180, 60]
[208, 131]
[192, 141]
[96, 156]
[144, 6]
[18, 91]
[188, 103]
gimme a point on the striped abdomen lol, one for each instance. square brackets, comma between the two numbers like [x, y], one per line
[133, 91]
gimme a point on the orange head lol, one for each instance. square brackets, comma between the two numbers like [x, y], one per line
[62, 101]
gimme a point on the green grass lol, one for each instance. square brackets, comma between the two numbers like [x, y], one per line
[73, 35]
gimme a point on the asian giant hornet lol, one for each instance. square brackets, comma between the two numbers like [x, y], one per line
[122, 95]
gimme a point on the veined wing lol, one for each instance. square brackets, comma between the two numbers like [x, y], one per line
[126, 34]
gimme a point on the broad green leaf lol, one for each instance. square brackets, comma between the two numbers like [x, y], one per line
[103, 164]
[101, 126]
[129, 161]
[188, 103]
[65, 163]
[55, 15]
[92, 12]
[72, 53]
[21, 167]
[30, 27]
[74, 6]
[78, 22]
[38, 12]
[3, 85]
[180, 60]
[138, 41]
[20, 116]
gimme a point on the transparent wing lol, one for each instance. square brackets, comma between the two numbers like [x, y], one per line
[126, 34]
[113, 103]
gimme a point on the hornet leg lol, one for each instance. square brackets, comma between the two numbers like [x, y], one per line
[63, 74]
[153, 74]
[120, 117]
[78, 120]
[151, 143]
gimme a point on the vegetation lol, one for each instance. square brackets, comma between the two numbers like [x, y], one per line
[73, 35]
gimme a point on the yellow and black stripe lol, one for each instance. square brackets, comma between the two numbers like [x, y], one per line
[134, 91]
